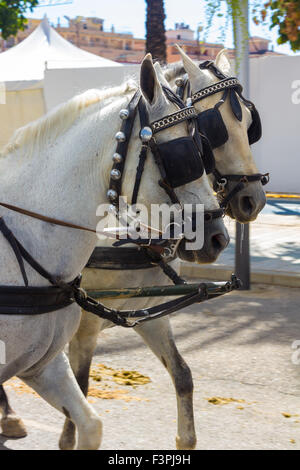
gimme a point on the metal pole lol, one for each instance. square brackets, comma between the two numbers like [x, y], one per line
[242, 245]
[212, 288]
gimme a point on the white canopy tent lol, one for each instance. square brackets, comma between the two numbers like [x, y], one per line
[22, 70]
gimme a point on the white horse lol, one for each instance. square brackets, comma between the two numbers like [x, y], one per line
[60, 166]
[234, 157]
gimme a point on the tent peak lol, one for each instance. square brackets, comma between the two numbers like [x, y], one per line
[45, 25]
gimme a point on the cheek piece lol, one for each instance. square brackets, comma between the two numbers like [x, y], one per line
[213, 129]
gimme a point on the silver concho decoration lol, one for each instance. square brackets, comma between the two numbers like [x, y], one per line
[112, 209]
[146, 134]
[112, 194]
[115, 174]
[120, 137]
[117, 158]
[124, 114]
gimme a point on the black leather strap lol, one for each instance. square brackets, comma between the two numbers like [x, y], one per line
[120, 259]
[144, 120]
[122, 147]
[33, 300]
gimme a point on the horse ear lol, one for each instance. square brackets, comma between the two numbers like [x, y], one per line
[150, 85]
[190, 66]
[223, 63]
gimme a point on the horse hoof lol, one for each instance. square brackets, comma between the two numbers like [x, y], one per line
[67, 443]
[67, 439]
[185, 444]
[12, 426]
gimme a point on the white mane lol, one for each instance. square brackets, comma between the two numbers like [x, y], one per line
[62, 117]
[174, 70]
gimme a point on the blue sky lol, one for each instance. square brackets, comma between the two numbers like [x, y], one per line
[129, 16]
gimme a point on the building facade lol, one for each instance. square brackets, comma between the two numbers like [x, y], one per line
[89, 34]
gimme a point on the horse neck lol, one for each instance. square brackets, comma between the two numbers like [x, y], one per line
[63, 180]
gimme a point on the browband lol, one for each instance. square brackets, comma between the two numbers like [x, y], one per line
[212, 89]
[173, 119]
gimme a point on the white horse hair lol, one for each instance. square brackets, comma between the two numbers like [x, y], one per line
[157, 334]
[60, 167]
[235, 156]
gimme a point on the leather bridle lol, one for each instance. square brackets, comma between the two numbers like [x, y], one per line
[26, 300]
[137, 106]
[230, 86]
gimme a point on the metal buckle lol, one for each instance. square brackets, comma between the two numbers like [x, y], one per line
[222, 183]
[170, 252]
[265, 179]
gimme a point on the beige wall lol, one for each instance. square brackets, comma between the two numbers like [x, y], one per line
[275, 89]
[21, 107]
[60, 85]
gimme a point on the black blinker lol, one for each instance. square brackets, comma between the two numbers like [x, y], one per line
[211, 124]
[255, 130]
[181, 161]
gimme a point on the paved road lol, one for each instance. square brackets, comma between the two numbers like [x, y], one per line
[275, 243]
[238, 347]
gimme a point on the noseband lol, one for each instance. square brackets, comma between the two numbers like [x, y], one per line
[212, 126]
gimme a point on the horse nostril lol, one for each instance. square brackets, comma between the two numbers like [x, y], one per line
[219, 242]
[248, 205]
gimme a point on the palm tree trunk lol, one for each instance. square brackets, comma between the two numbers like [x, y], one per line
[155, 38]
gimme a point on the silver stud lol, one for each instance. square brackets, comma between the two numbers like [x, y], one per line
[124, 114]
[117, 158]
[115, 174]
[112, 209]
[189, 102]
[120, 137]
[179, 82]
[146, 134]
[112, 194]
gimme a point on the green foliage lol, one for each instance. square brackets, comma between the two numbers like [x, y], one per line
[233, 11]
[284, 14]
[12, 15]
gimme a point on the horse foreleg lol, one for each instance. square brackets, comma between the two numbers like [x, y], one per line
[57, 385]
[158, 336]
[11, 424]
[81, 351]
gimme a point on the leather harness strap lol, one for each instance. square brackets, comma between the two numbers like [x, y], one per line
[44, 218]
[39, 300]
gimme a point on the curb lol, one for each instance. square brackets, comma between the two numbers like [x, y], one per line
[223, 273]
